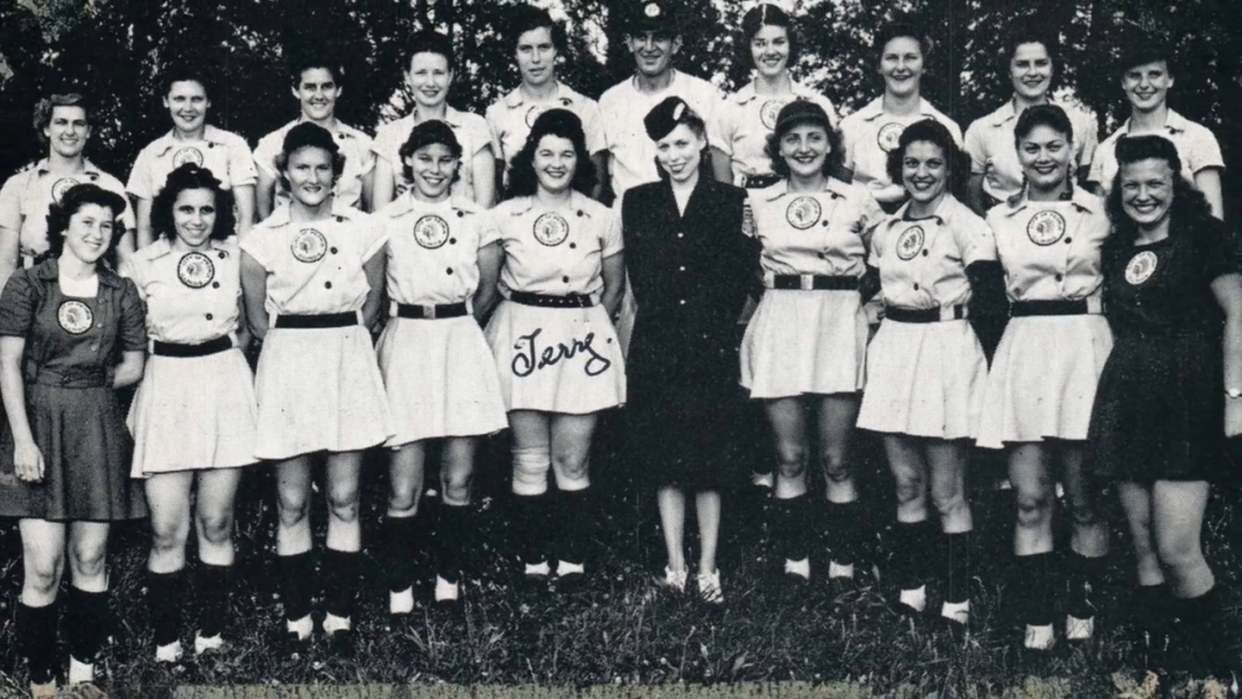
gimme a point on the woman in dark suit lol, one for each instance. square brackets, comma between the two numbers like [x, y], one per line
[689, 266]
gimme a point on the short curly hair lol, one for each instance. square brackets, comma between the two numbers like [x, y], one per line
[72, 201]
[528, 18]
[767, 15]
[957, 162]
[44, 108]
[555, 122]
[308, 135]
[191, 176]
[428, 133]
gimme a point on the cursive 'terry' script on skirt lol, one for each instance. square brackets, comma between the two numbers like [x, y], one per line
[531, 357]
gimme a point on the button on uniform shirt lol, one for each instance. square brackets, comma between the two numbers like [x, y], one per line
[1051, 249]
[624, 107]
[869, 134]
[222, 152]
[354, 144]
[556, 250]
[511, 117]
[1196, 146]
[471, 130]
[744, 120]
[813, 232]
[923, 261]
[433, 249]
[315, 266]
[990, 143]
[192, 297]
[26, 196]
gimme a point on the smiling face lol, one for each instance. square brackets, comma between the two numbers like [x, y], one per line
[924, 172]
[805, 147]
[433, 167]
[901, 66]
[89, 234]
[1030, 70]
[769, 50]
[555, 163]
[1045, 155]
[653, 51]
[187, 104]
[67, 131]
[536, 56]
[1147, 191]
[194, 216]
[1147, 86]
[317, 92]
[429, 78]
[680, 152]
[310, 176]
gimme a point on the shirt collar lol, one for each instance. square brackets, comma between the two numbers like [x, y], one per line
[577, 201]
[49, 270]
[1174, 123]
[169, 140]
[943, 214]
[281, 215]
[88, 168]
[563, 94]
[875, 108]
[780, 188]
[162, 246]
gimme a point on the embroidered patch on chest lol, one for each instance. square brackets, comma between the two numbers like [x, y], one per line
[910, 242]
[551, 229]
[74, 317]
[1045, 228]
[195, 270]
[1140, 267]
[309, 245]
[431, 231]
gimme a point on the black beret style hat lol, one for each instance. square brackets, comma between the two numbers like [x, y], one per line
[665, 116]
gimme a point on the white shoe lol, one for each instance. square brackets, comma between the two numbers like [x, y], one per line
[80, 672]
[44, 690]
[763, 480]
[401, 602]
[956, 611]
[302, 627]
[565, 569]
[709, 587]
[169, 653]
[1079, 629]
[839, 570]
[915, 599]
[538, 570]
[676, 579]
[800, 568]
[446, 591]
[333, 623]
[207, 644]
[1040, 637]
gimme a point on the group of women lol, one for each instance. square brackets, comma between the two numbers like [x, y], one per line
[1120, 359]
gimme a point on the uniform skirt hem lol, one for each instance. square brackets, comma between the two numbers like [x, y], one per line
[805, 343]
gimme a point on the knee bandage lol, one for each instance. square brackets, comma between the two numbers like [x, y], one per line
[530, 470]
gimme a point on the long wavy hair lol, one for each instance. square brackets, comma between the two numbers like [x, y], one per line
[932, 131]
[555, 122]
[1189, 210]
[191, 176]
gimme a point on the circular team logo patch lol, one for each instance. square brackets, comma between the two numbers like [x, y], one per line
[1045, 228]
[431, 231]
[533, 113]
[803, 212]
[652, 10]
[62, 185]
[189, 154]
[910, 242]
[769, 111]
[551, 230]
[1141, 267]
[309, 245]
[888, 136]
[75, 317]
[195, 270]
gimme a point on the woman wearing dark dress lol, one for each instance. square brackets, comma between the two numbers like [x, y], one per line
[689, 267]
[1169, 395]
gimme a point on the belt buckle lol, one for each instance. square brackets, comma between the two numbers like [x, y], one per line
[806, 282]
[1095, 305]
[429, 312]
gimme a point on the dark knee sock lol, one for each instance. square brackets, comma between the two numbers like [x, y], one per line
[958, 559]
[296, 573]
[165, 600]
[89, 623]
[36, 636]
[1032, 581]
[1085, 576]
[1206, 635]
[910, 554]
[575, 533]
[212, 591]
[791, 526]
[400, 547]
[1150, 610]
[845, 529]
[451, 528]
[341, 572]
[530, 520]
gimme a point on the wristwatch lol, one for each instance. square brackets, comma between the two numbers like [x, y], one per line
[1234, 393]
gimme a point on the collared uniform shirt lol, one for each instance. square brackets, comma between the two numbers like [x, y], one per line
[633, 152]
[556, 251]
[471, 130]
[316, 266]
[512, 116]
[222, 152]
[433, 249]
[192, 297]
[990, 143]
[813, 233]
[923, 262]
[1196, 146]
[354, 144]
[1051, 249]
[744, 120]
[869, 134]
[26, 197]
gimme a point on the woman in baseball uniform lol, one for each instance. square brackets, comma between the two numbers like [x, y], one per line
[191, 140]
[1031, 60]
[740, 127]
[428, 77]
[926, 368]
[193, 416]
[439, 374]
[871, 133]
[312, 277]
[63, 124]
[1038, 397]
[1170, 393]
[71, 333]
[804, 349]
[556, 350]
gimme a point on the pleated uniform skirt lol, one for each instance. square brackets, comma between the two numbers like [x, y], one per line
[805, 342]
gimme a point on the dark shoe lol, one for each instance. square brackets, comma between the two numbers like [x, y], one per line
[341, 643]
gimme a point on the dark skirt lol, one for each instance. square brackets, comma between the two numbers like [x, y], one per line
[1160, 410]
[86, 453]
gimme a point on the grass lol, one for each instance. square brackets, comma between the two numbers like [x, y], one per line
[622, 630]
